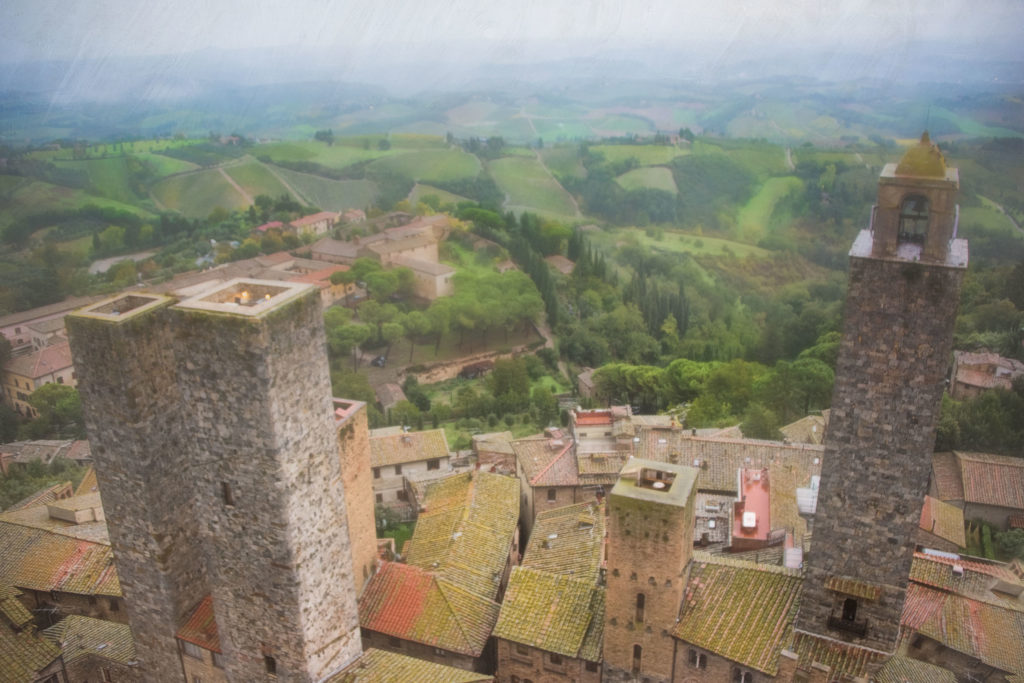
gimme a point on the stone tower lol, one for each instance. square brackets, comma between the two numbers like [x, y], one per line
[650, 543]
[217, 453]
[904, 287]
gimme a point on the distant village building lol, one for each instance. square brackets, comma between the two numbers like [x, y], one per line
[560, 263]
[975, 373]
[26, 654]
[983, 486]
[397, 458]
[18, 454]
[23, 374]
[315, 224]
[941, 526]
[381, 666]
[494, 452]
[94, 650]
[23, 328]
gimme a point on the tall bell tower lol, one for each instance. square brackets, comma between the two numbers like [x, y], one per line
[905, 275]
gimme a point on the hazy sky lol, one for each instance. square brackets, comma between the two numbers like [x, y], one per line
[497, 30]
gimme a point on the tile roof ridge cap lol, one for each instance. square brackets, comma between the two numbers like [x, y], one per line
[552, 463]
[443, 590]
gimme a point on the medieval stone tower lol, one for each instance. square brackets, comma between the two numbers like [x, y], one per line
[904, 286]
[216, 448]
[650, 543]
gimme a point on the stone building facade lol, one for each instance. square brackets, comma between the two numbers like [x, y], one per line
[216, 449]
[904, 284]
[650, 543]
[354, 449]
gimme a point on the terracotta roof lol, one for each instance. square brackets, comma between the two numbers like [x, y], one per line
[842, 658]
[992, 479]
[739, 610]
[46, 561]
[38, 516]
[89, 483]
[577, 546]
[546, 462]
[975, 578]
[400, 244]
[493, 442]
[944, 520]
[548, 611]
[809, 429]
[389, 394]
[201, 627]
[23, 651]
[396, 449]
[65, 306]
[424, 266]
[381, 666]
[465, 532]
[47, 360]
[270, 225]
[946, 477]
[42, 497]
[560, 263]
[332, 247]
[588, 418]
[900, 669]
[980, 630]
[412, 604]
[81, 637]
[315, 218]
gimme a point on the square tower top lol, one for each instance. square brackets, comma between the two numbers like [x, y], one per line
[246, 297]
[656, 482]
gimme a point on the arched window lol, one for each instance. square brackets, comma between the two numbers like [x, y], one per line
[638, 655]
[850, 609]
[913, 219]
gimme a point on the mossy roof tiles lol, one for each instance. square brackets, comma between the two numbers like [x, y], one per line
[87, 637]
[89, 483]
[381, 666]
[547, 611]
[943, 519]
[843, 659]
[577, 547]
[41, 497]
[409, 603]
[546, 462]
[900, 669]
[38, 517]
[848, 586]
[201, 627]
[45, 561]
[397, 449]
[738, 610]
[976, 581]
[23, 651]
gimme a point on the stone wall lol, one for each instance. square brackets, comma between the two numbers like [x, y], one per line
[354, 451]
[40, 603]
[409, 648]
[890, 376]
[708, 666]
[529, 663]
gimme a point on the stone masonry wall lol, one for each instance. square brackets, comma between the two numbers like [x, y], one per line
[354, 451]
[889, 380]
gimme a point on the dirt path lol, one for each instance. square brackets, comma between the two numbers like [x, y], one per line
[295, 193]
[544, 330]
[1008, 216]
[231, 181]
[789, 159]
[575, 204]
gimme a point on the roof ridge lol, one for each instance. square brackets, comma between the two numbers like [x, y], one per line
[553, 461]
[443, 589]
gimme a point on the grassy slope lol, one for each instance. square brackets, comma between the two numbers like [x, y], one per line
[755, 216]
[420, 190]
[654, 177]
[529, 187]
[436, 165]
[256, 179]
[197, 194]
[563, 161]
[647, 155]
[110, 177]
[27, 197]
[331, 195]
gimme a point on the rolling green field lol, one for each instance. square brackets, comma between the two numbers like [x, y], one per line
[646, 155]
[438, 165]
[563, 161]
[25, 197]
[331, 195]
[529, 187]
[256, 179]
[678, 242]
[755, 217]
[653, 177]
[197, 194]
[111, 177]
[419, 190]
[164, 165]
[336, 156]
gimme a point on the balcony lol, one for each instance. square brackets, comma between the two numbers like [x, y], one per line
[858, 627]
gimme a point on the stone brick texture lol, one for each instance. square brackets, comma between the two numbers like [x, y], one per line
[357, 480]
[890, 376]
[217, 456]
[649, 547]
[535, 665]
[715, 668]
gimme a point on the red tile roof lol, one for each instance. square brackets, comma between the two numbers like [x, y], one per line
[546, 462]
[201, 627]
[944, 520]
[315, 218]
[412, 604]
[268, 226]
[594, 418]
[41, 363]
[992, 479]
[44, 560]
[946, 477]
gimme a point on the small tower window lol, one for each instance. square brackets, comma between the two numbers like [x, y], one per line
[913, 219]
[270, 665]
[640, 600]
[638, 655]
[850, 609]
[225, 491]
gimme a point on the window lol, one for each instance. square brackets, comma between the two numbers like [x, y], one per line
[640, 600]
[376, 473]
[850, 609]
[692, 657]
[591, 666]
[434, 464]
[195, 679]
[913, 219]
[226, 494]
[270, 665]
[380, 497]
[522, 650]
[402, 495]
[555, 659]
[552, 495]
[191, 650]
[60, 380]
[218, 660]
[105, 676]
[115, 606]
[439, 652]
[394, 642]
[398, 469]
[638, 656]
[740, 676]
